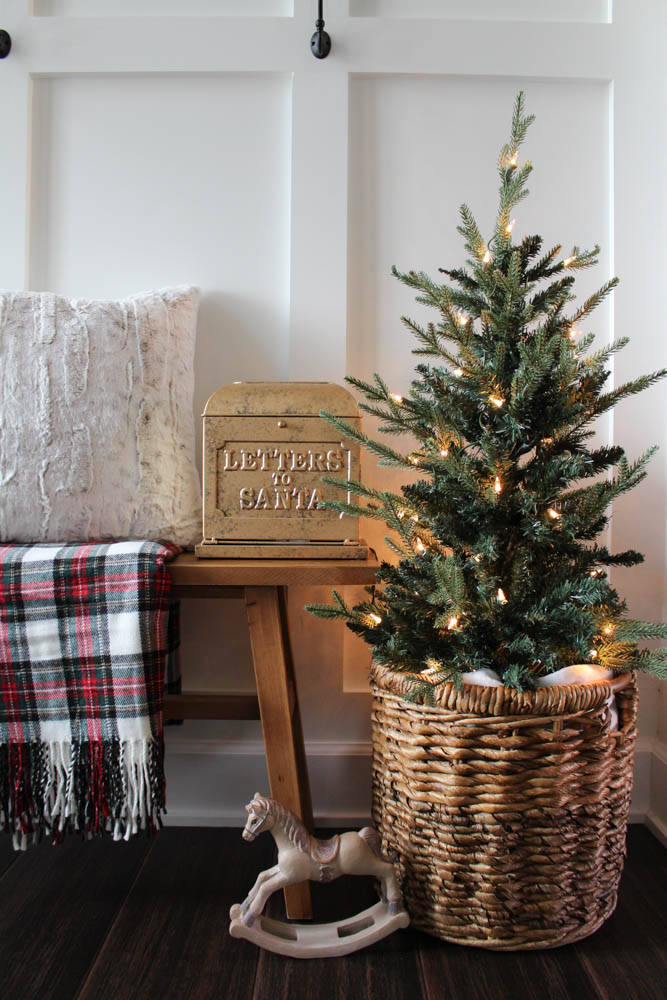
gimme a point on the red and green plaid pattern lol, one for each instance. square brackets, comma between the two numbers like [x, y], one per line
[85, 633]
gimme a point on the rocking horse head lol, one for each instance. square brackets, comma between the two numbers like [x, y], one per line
[265, 814]
[259, 817]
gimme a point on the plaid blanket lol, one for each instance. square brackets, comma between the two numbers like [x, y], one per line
[84, 636]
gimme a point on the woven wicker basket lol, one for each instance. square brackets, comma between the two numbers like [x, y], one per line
[507, 810]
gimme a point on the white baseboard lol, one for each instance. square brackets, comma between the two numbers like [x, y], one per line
[210, 780]
[656, 814]
[657, 828]
[641, 790]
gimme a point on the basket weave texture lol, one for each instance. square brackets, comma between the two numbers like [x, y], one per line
[507, 810]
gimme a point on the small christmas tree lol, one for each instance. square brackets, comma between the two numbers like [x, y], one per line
[499, 564]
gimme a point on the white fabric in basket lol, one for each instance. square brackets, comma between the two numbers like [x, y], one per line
[579, 673]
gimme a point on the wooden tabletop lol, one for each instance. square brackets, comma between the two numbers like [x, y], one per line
[188, 571]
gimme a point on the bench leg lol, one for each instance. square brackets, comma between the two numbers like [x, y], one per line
[281, 720]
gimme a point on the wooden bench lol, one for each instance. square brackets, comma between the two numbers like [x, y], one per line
[263, 584]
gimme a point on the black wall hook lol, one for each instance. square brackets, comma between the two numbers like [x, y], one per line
[320, 43]
[5, 43]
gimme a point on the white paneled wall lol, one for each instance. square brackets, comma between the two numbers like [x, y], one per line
[149, 143]
[149, 180]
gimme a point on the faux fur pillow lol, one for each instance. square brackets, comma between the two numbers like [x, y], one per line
[96, 428]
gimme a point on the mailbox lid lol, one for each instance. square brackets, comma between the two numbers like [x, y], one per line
[281, 399]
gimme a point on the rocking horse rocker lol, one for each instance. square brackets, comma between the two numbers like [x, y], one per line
[302, 857]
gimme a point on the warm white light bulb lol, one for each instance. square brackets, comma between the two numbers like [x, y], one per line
[375, 618]
[452, 623]
[573, 332]
[458, 372]
[397, 399]
[514, 160]
[444, 452]
[498, 485]
[419, 545]
[510, 226]
[461, 319]
[593, 654]
[501, 596]
[497, 401]
[608, 629]
[568, 261]
[415, 460]
[486, 259]
[553, 514]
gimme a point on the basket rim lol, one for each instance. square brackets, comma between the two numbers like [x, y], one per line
[557, 699]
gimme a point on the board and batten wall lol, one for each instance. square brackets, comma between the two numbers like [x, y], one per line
[152, 143]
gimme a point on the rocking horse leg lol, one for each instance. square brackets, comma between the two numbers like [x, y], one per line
[392, 893]
[261, 878]
[269, 886]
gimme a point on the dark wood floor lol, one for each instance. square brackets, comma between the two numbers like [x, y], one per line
[149, 919]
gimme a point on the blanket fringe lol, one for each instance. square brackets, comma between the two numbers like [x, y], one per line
[91, 788]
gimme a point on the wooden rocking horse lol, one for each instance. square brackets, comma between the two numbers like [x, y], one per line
[302, 857]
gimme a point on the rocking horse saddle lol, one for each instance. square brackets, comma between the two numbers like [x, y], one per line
[323, 853]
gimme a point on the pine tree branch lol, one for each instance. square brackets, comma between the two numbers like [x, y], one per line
[629, 630]
[474, 241]
[589, 503]
[461, 276]
[608, 400]
[579, 260]
[603, 557]
[542, 269]
[593, 301]
[595, 361]
[359, 489]
[338, 609]
[388, 455]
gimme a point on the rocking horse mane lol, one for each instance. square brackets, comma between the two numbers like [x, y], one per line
[290, 823]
